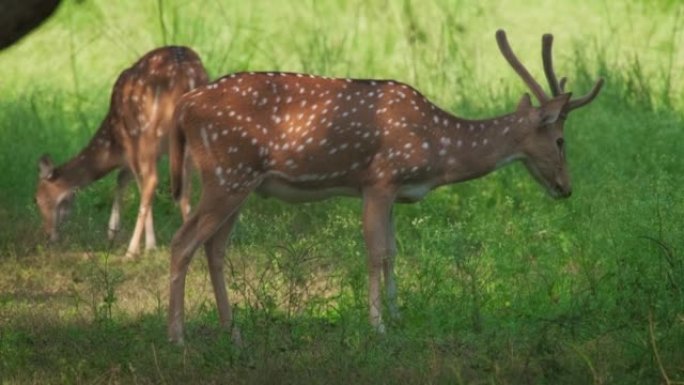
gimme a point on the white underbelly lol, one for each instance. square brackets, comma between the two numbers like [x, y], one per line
[295, 193]
[413, 192]
[291, 191]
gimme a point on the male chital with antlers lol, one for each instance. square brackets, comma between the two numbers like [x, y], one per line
[303, 138]
[130, 138]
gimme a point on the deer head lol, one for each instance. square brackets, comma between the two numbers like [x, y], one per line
[53, 198]
[543, 145]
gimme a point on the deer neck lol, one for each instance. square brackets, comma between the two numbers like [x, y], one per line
[97, 159]
[472, 148]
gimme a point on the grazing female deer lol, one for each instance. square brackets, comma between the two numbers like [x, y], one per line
[303, 138]
[130, 138]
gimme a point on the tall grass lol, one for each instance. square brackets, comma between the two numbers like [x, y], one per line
[498, 284]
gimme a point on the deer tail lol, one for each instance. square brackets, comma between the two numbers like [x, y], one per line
[177, 144]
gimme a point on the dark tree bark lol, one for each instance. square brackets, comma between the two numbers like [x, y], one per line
[19, 17]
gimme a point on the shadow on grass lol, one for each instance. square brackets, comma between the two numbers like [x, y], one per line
[276, 351]
[303, 350]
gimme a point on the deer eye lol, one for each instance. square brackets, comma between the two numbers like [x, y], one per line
[560, 142]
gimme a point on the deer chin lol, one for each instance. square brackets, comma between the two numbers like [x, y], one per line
[553, 187]
[557, 190]
[554, 193]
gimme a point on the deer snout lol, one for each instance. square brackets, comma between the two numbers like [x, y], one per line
[565, 192]
[50, 231]
[561, 190]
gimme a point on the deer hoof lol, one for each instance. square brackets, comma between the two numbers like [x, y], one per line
[175, 340]
[236, 337]
[111, 233]
[130, 256]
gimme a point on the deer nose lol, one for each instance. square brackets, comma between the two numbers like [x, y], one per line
[563, 191]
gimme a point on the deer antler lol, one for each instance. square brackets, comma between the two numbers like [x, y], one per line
[579, 102]
[507, 52]
[558, 88]
[562, 82]
[547, 58]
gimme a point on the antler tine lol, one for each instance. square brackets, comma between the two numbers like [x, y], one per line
[507, 52]
[547, 58]
[579, 102]
[561, 84]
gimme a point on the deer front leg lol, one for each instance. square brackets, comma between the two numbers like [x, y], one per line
[377, 207]
[388, 270]
[150, 239]
[122, 181]
[215, 250]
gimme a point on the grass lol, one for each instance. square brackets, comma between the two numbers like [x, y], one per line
[498, 284]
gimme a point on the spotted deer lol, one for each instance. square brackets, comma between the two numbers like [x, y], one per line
[130, 138]
[304, 138]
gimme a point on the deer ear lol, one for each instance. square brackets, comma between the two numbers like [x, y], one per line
[551, 110]
[46, 169]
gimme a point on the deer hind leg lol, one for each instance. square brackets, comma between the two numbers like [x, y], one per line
[122, 181]
[212, 216]
[215, 249]
[147, 183]
[186, 188]
[377, 208]
[150, 239]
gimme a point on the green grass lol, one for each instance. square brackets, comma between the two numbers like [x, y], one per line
[498, 284]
